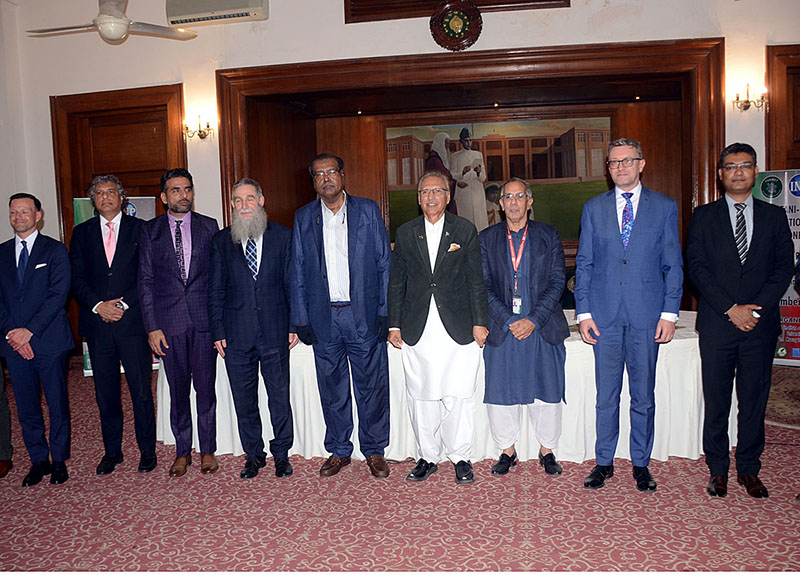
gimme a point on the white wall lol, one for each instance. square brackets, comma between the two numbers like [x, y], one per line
[312, 30]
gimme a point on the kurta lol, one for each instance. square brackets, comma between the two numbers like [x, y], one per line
[517, 372]
[471, 201]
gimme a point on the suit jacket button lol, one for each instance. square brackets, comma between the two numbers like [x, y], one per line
[624, 261]
[433, 285]
[109, 274]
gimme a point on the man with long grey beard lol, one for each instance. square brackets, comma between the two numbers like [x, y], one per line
[248, 309]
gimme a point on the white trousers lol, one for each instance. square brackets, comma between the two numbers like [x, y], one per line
[448, 422]
[505, 422]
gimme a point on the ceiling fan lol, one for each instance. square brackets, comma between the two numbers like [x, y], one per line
[113, 25]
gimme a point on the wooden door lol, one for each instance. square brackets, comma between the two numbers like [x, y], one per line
[783, 110]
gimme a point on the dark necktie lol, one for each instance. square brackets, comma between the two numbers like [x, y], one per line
[179, 250]
[627, 219]
[252, 257]
[23, 262]
[740, 234]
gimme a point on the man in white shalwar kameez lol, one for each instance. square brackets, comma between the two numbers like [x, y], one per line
[469, 171]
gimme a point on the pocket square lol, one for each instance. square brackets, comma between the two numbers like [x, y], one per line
[454, 247]
[40, 266]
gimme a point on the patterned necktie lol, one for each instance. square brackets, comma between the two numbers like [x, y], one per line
[110, 243]
[179, 250]
[252, 257]
[741, 232]
[627, 219]
[23, 262]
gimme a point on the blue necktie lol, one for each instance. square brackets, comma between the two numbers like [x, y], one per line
[627, 219]
[23, 262]
[252, 257]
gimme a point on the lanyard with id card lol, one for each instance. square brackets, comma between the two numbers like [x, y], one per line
[516, 258]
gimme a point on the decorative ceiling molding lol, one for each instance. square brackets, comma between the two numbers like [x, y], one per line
[373, 10]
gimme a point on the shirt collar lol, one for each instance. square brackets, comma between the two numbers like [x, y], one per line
[328, 213]
[635, 191]
[117, 219]
[748, 202]
[187, 218]
[28, 241]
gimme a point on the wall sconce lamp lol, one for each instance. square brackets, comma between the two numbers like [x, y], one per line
[745, 104]
[200, 132]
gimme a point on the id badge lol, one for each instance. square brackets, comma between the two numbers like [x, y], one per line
[516, 305]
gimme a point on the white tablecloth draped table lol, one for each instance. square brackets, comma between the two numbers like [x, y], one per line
[678, 419]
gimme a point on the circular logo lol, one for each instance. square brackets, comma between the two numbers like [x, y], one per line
[771, 187]
[130, 209]
[794, 185]
[781, 351]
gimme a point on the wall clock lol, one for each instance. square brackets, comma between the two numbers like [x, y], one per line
[456, 25]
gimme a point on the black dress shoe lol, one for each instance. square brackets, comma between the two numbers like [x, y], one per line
[59, 473]
[108, 463]
[464, 472]
[37, 473]
[644, 481]
[504, 464]
[147, 462]
[597, 478]
[551, 466]
[753, 485]
[252, 465]
[282, 467]
[422, 470]
[717, 486]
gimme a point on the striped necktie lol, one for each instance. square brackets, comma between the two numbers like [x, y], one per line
[740, 235]
[627, 219]
[251, 254]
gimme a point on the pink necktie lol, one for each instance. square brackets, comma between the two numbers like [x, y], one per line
[110, 243]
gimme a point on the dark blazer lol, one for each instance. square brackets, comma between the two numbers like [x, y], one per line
[369, 256]
[646, 278]
[166, 303]
[546, 281]
[239, 306]
[39, 304]
[457, 281]
[714, 267]
[94, 281]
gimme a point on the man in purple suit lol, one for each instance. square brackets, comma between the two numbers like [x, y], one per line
[174, 256]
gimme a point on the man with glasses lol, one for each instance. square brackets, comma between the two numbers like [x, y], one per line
[628, 286]
[740, 256]
[523, 267]
[438, 317]
[340, 272]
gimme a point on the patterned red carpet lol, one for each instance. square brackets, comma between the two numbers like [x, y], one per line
[525, 521]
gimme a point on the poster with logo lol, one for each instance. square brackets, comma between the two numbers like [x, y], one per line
[783, 188]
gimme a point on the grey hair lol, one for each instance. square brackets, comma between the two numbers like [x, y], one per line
[107, 178]
[626, 142]
[434, 174]
[521, 181]
[248, 182]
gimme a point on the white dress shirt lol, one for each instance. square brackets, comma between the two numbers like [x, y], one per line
[334, 239]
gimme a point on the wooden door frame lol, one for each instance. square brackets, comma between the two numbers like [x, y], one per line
[777, 130]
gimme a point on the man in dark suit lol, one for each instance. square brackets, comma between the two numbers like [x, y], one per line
[33, 292]
[104, 252]
[438, 316]
[174, 256]
[740, 257]
[523, 267]
[340, 272]
[628, 286]
[248, 312]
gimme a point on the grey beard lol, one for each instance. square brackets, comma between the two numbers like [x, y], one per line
[252, 227]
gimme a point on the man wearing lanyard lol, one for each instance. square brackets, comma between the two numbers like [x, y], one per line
[523, 267]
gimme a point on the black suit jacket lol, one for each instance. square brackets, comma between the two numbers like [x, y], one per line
[93, 280]
[457, 280]
[714, 266]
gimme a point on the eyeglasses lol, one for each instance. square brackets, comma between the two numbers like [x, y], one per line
[517, 196]
[319, 176]
[433, 191]
[744, 166]
[615, 164]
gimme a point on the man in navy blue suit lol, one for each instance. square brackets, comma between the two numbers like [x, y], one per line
[248, 312]
[340, 275]
[628, 286]
[174, 256]
[33, 291]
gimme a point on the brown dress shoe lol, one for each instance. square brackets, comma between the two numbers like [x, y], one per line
[208, 463]
[179, 467]
[377, 465]
[333, 466]
[717, 486]
[753, 485]
[5, 467]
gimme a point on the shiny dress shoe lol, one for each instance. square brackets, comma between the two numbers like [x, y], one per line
[5, 467]
[108, 463]
[282, 467]
[58, 473]
[644, 481]
[597, 478]
[551, 466]
[147, 462]
[717, 486]
[464, 472]
[178, 468]
[333, 466]
[422, 470]
[37, 473]
[753, 485]
[504, 464]
[251, 467]
[377, 465]
[208, 463]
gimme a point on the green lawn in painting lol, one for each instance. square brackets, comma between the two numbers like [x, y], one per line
[559, 205]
